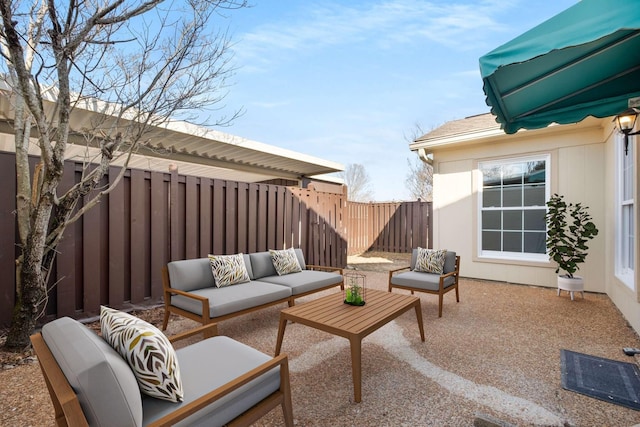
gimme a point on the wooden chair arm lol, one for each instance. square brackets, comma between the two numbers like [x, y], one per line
[324, 268]
[208, 331]
[451, 273]
[186, 294]
[202, 402]
[398, 269]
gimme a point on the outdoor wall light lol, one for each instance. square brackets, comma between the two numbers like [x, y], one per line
[625, 122]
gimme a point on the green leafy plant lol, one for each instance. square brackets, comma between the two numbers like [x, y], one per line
[569, 227]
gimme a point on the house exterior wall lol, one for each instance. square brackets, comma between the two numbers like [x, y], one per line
[577, 171]
[584, 167]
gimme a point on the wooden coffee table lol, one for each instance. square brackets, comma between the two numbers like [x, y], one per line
[331, 314]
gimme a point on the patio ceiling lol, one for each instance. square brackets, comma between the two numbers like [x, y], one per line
[583, 61]
[195, 149]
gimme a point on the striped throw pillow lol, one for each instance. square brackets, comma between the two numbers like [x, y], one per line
[285, 261]
[147, 351]
[430, 260]
[228, 269]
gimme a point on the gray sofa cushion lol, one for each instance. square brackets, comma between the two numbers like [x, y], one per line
[106, 387]
[207, 365]
[190, 274]
[231, 299]
[305, 281]
[262, 265]
[449, 261]
[420, 280]
[300, 255]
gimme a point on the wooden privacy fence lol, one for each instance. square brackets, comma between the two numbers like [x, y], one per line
[389, 227]
[114, 254]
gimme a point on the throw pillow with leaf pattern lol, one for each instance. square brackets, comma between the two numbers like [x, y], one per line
[228, 269]
[430, 260]
[148, 352]
[285, 261]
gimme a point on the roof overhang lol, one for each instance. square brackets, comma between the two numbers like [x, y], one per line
[470, 131]
[195, 149]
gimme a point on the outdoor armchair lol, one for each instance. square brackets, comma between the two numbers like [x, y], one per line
[225, 382]
[431, 283]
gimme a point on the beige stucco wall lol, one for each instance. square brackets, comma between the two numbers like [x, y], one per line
[577, 171]
[583, 168]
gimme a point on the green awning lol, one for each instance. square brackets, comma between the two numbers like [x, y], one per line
[583, 61]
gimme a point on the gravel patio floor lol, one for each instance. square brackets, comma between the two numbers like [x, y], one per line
[496, 353]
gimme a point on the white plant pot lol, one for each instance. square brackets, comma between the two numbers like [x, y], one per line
[571, 285]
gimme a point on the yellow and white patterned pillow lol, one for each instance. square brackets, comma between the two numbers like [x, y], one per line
[285, 261]
[228, 269]
[148, 352]
[430, 260]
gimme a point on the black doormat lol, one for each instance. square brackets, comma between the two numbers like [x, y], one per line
[605, 379]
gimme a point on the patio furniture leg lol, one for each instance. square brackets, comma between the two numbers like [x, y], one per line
[281, 328]
[419, 316]
[356, 367]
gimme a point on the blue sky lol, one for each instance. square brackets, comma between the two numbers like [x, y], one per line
[349, 81]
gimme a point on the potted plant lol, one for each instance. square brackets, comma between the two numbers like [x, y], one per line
[354, 291]
[569, 227]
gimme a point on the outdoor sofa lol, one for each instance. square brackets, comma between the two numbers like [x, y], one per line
[429, 278]
[190, 289]
[222, 381]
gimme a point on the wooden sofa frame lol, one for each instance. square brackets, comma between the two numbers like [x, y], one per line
[205, 319]
[441, 289]
[68, 412]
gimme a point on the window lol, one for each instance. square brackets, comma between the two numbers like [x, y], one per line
[625, 229]
[512, 208]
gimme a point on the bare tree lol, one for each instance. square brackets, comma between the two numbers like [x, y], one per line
[358, 183]
[137, 64]
[419, 179]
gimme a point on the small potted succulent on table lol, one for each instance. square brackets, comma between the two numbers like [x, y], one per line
[354, 289]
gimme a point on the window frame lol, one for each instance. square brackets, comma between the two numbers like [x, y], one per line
[504, 255]
[623, 273]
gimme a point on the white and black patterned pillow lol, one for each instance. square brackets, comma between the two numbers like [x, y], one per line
[148, 352]
[285, 261]
[430, 260]
[228, 269]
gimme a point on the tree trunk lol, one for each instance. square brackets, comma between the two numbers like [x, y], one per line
[29, 303]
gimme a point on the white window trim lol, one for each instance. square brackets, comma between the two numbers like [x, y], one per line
[511, 256]
[625, 275]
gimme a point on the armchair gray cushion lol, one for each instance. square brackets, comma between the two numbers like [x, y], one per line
[420, 280]
[207, 365]
[449, 261]
[87, 360]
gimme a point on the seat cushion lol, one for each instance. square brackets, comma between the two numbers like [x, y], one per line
[231, 299]
[106, 388]
[208, 365]
[305, 281]
[418, 280]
